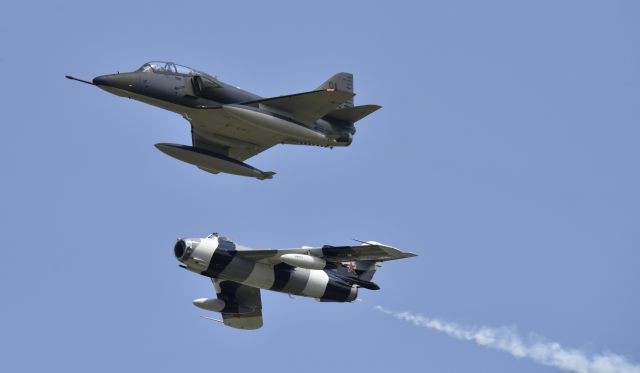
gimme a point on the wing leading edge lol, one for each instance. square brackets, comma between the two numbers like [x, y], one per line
[371, 251]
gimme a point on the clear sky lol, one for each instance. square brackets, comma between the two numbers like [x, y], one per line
[506, 155]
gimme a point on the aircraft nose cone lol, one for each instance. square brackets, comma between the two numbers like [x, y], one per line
[103, 80]
[125, 81]
[118, 84]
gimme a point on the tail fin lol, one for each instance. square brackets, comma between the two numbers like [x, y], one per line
[340, 82]
[359, 263]
[365, 269]
[360, 272]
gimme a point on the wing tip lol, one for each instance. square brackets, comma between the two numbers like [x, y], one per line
[266, 175]
[162, 146]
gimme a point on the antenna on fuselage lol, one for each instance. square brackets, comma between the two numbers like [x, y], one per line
[212, 319]
[362, 242]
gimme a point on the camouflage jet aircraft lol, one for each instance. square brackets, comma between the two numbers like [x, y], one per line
[229, 125]
[329, 273]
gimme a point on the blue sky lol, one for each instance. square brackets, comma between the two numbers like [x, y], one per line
[505, 155]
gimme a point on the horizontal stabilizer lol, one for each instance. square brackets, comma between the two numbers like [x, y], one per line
[353, 114]
[365, 284]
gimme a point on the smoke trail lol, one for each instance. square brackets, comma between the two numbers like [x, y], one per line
[535, 348]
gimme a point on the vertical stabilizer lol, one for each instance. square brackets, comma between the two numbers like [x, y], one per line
[365, 269]
[340, 82]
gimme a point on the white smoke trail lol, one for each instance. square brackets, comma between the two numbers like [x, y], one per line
[535, 348]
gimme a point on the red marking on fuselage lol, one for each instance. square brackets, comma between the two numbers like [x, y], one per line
[351, 267]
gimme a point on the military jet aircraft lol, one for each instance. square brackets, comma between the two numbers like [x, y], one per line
[229, 125]
[328, 273]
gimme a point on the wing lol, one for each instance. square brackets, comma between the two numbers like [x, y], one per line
[369, 251]
[243, 306]
[215, 131]
[306, 107]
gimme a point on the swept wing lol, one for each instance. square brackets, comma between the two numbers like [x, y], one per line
[243, 309]
[215, 131]
[372, 251]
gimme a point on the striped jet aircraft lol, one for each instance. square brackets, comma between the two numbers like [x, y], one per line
[328, 273]
[230, 125]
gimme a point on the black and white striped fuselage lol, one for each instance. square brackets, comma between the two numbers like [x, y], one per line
[218, 258]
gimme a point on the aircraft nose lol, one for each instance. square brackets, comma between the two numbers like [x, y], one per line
[181, 250]
[124, 81]
[103, 80]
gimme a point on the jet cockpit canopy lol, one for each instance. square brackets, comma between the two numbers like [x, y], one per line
[166, 67]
